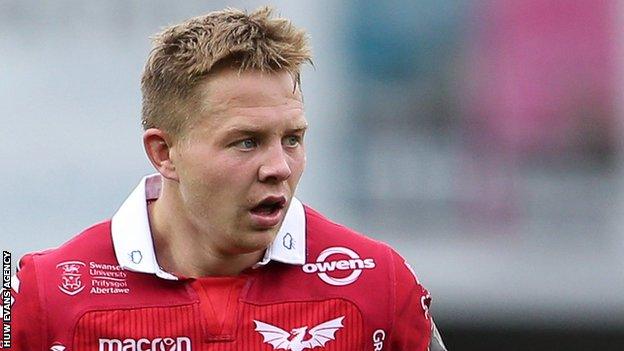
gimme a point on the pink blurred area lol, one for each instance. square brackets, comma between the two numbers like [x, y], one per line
[538, 96]
[540, 75]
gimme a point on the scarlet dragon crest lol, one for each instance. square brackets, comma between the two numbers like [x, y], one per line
[70, 282]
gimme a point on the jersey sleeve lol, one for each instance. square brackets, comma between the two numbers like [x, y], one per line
[27, 321]
[413, 327]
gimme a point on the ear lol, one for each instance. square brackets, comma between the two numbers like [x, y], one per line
[158, 148]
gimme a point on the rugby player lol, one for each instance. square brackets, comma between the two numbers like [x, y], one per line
[214, 251]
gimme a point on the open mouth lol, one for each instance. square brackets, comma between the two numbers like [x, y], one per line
[269, 206]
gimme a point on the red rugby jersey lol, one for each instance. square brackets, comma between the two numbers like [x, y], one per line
[320, 286]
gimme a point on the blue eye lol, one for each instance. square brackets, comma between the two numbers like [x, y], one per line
[246, 144]
[292, 140]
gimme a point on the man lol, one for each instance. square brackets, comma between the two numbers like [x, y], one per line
[214, 252]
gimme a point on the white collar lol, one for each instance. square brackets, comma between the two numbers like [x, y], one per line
[134, 247]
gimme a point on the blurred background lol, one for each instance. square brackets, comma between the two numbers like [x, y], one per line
[482, 139]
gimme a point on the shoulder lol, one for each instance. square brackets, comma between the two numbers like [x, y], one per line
[321, 230]
[43, 275]
[92, 243]
[330, 241]
[369, 272]
[327, 238]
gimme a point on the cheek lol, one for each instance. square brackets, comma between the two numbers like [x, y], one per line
[205, 166]
[297, 165]
[202, 180]
[224, 179]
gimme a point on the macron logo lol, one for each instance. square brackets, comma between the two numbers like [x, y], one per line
[181, 343]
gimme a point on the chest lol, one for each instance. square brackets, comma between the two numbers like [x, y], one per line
[331, 324]
[281, 308]
[259, 313]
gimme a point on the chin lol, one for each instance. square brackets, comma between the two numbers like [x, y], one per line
[257, 240]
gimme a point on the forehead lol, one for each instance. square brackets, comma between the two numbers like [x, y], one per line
[231, 89]
[230, 97]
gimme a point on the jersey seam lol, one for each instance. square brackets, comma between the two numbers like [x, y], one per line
[393, 290]
[325, 298]
[42, 300]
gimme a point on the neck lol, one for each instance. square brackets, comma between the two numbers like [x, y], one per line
[184, 249]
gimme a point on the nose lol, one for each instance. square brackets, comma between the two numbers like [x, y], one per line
[275, 167]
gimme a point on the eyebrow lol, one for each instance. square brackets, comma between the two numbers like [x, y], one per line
[256, 130]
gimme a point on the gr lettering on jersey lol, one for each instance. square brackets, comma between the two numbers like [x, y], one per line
[378, 339]
[324, 265]
[180, 343]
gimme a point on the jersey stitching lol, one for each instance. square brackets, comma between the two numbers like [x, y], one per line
[393, 297]
[42, 302]
[313, 299]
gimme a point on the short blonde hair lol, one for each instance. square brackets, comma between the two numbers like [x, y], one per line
[184, 54]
